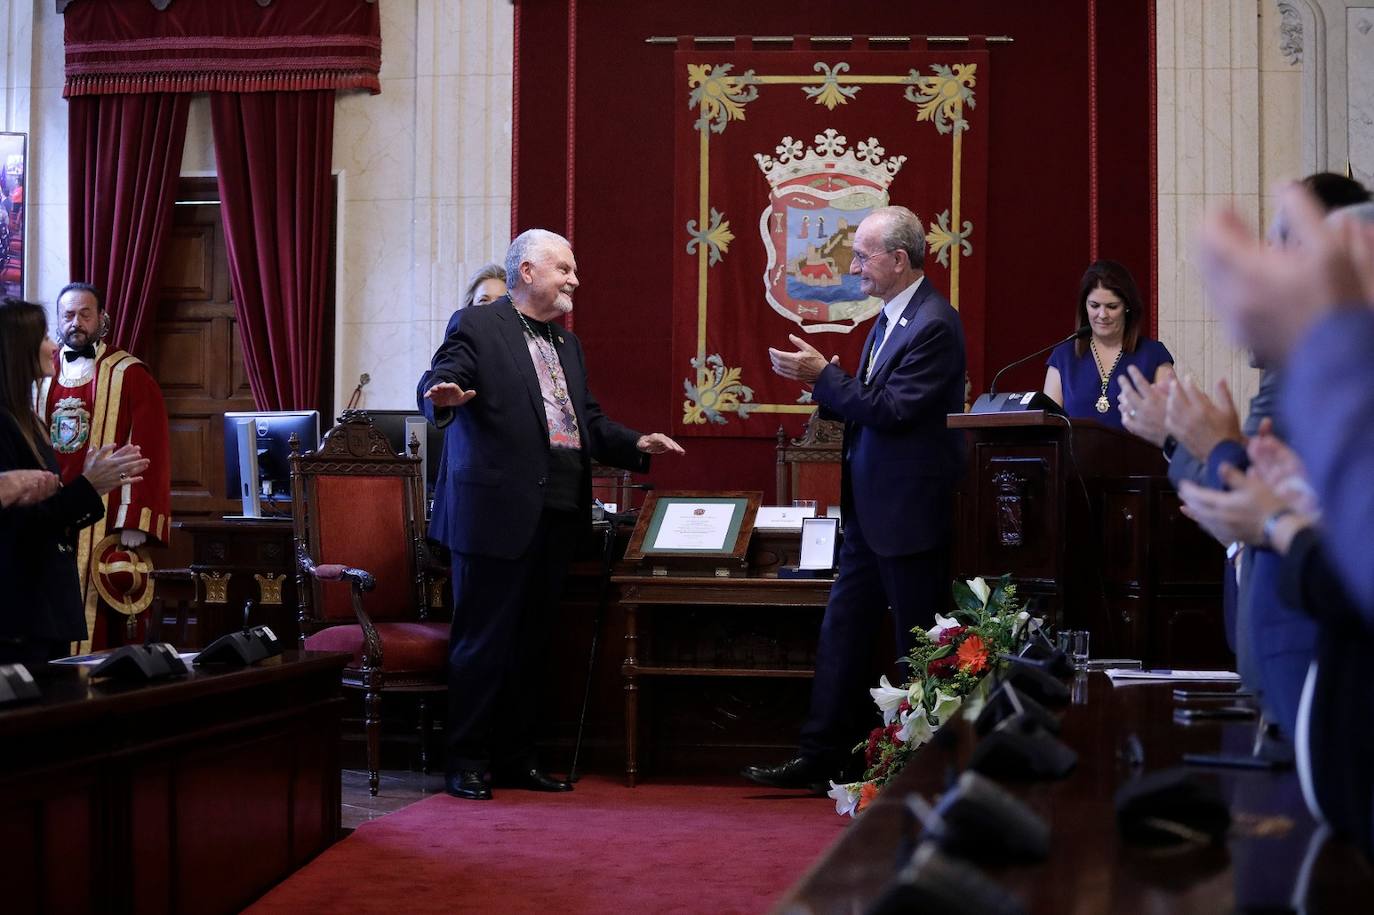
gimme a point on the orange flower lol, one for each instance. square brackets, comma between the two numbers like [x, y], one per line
[867, 793]
[973, 655]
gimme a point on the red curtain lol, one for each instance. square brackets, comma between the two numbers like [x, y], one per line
[274, 151]
[124, 155]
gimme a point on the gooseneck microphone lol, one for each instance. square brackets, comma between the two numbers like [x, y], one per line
[1082, 332]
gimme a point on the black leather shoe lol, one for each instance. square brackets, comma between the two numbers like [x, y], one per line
[468, 784]
[531, 780]
[799, 773]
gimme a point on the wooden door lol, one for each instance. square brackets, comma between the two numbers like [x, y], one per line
[195, 353]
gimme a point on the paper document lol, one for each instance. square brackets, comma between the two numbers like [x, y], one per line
[782, 517]
[91, 660]
[1126, 677]
[695, 526]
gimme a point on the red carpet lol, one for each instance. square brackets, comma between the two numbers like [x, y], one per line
[602, 848]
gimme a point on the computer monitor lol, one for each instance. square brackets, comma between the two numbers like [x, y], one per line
[257, 453]
[395, 425]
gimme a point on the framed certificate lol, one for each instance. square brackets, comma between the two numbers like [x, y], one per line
[713, 525]
[818, 544]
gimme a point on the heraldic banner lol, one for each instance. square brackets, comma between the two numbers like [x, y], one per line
[780, 155]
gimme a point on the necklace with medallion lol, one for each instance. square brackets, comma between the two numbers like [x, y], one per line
[1105, 375]
[549, 355]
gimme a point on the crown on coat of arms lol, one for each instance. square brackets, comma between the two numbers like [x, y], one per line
[829, 156]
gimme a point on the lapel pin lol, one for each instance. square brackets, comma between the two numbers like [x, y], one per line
[902, 322]
[560, 338]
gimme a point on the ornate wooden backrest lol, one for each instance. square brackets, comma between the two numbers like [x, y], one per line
[357, 503]
[809, 467]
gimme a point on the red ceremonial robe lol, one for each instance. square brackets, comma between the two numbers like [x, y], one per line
[119, 403]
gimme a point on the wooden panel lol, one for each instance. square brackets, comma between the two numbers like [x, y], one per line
[1186, 558]
[214, 826]
[1123, 535]
[152, 856]
[1018, 510]
[1188, 632]
[194, 446]
[183, 358]
[187, 271]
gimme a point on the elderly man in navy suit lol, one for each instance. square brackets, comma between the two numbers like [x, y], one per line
[512, 498]
[900, 466]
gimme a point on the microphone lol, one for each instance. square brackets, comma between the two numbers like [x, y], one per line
[1081, 333]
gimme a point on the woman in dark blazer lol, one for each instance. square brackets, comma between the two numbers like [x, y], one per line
[41, 613]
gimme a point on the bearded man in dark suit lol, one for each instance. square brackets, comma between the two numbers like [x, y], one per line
[512, 498]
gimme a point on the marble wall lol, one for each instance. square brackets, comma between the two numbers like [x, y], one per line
[1227, 120]
[423, 174]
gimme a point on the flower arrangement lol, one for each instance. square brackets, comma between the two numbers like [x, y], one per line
[946, 662]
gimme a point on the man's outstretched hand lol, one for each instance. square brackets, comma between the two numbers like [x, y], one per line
[448, 394]
[658, 443]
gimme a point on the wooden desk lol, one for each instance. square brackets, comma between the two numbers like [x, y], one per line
[664, 594]
[190, 795]
[1091, 869]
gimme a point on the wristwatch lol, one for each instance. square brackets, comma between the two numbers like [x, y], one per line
[1271, 524]
[1170, 446]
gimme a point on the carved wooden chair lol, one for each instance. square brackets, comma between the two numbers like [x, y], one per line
[809, 466]
[362, 571]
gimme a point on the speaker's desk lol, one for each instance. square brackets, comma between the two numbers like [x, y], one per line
[1273, 852]
[189, 795]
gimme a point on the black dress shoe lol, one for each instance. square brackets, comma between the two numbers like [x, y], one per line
[800, 773]
[531, 780]
[469, 784]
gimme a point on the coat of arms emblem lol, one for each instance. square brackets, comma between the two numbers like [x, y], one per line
[818, 198]
[70, 427]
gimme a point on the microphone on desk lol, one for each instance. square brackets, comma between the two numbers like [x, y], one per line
[992, 402]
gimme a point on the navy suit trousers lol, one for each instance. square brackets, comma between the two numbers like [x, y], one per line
[915, 586]
[504, 611]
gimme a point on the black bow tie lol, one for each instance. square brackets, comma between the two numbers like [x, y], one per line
[86, 352]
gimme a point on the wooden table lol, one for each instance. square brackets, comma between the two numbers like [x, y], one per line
[1091, 869]
[189, 795]
[639, 594]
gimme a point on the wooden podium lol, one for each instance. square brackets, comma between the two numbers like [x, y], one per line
[1084, 518]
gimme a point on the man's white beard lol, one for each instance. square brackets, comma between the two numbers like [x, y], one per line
[563, 303]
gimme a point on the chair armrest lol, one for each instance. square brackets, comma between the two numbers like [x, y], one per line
[361, 579]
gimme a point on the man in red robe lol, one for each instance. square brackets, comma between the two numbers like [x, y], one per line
[102, 395]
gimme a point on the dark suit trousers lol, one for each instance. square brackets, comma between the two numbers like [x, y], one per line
[915, 587]
[504, 611]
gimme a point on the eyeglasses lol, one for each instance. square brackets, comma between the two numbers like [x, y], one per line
[863, 259]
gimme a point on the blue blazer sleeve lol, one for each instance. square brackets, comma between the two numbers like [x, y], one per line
[1328, 403]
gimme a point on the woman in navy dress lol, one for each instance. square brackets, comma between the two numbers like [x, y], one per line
[1084, 374]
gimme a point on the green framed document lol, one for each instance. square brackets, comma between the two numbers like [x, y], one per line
[694, 531]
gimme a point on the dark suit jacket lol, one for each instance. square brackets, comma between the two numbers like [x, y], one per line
[490, 490]
[901, 461]
[42, 598]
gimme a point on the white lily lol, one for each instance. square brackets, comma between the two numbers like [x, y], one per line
[846, 798]
[1025, 625]
[941, 624]
[888, 698]
[980, 589]
[916, 728]
[945, 704]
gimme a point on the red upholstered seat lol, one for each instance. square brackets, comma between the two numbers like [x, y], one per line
[360, 526]
[407, 648]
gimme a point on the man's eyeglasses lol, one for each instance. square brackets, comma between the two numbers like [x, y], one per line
[863, 259]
